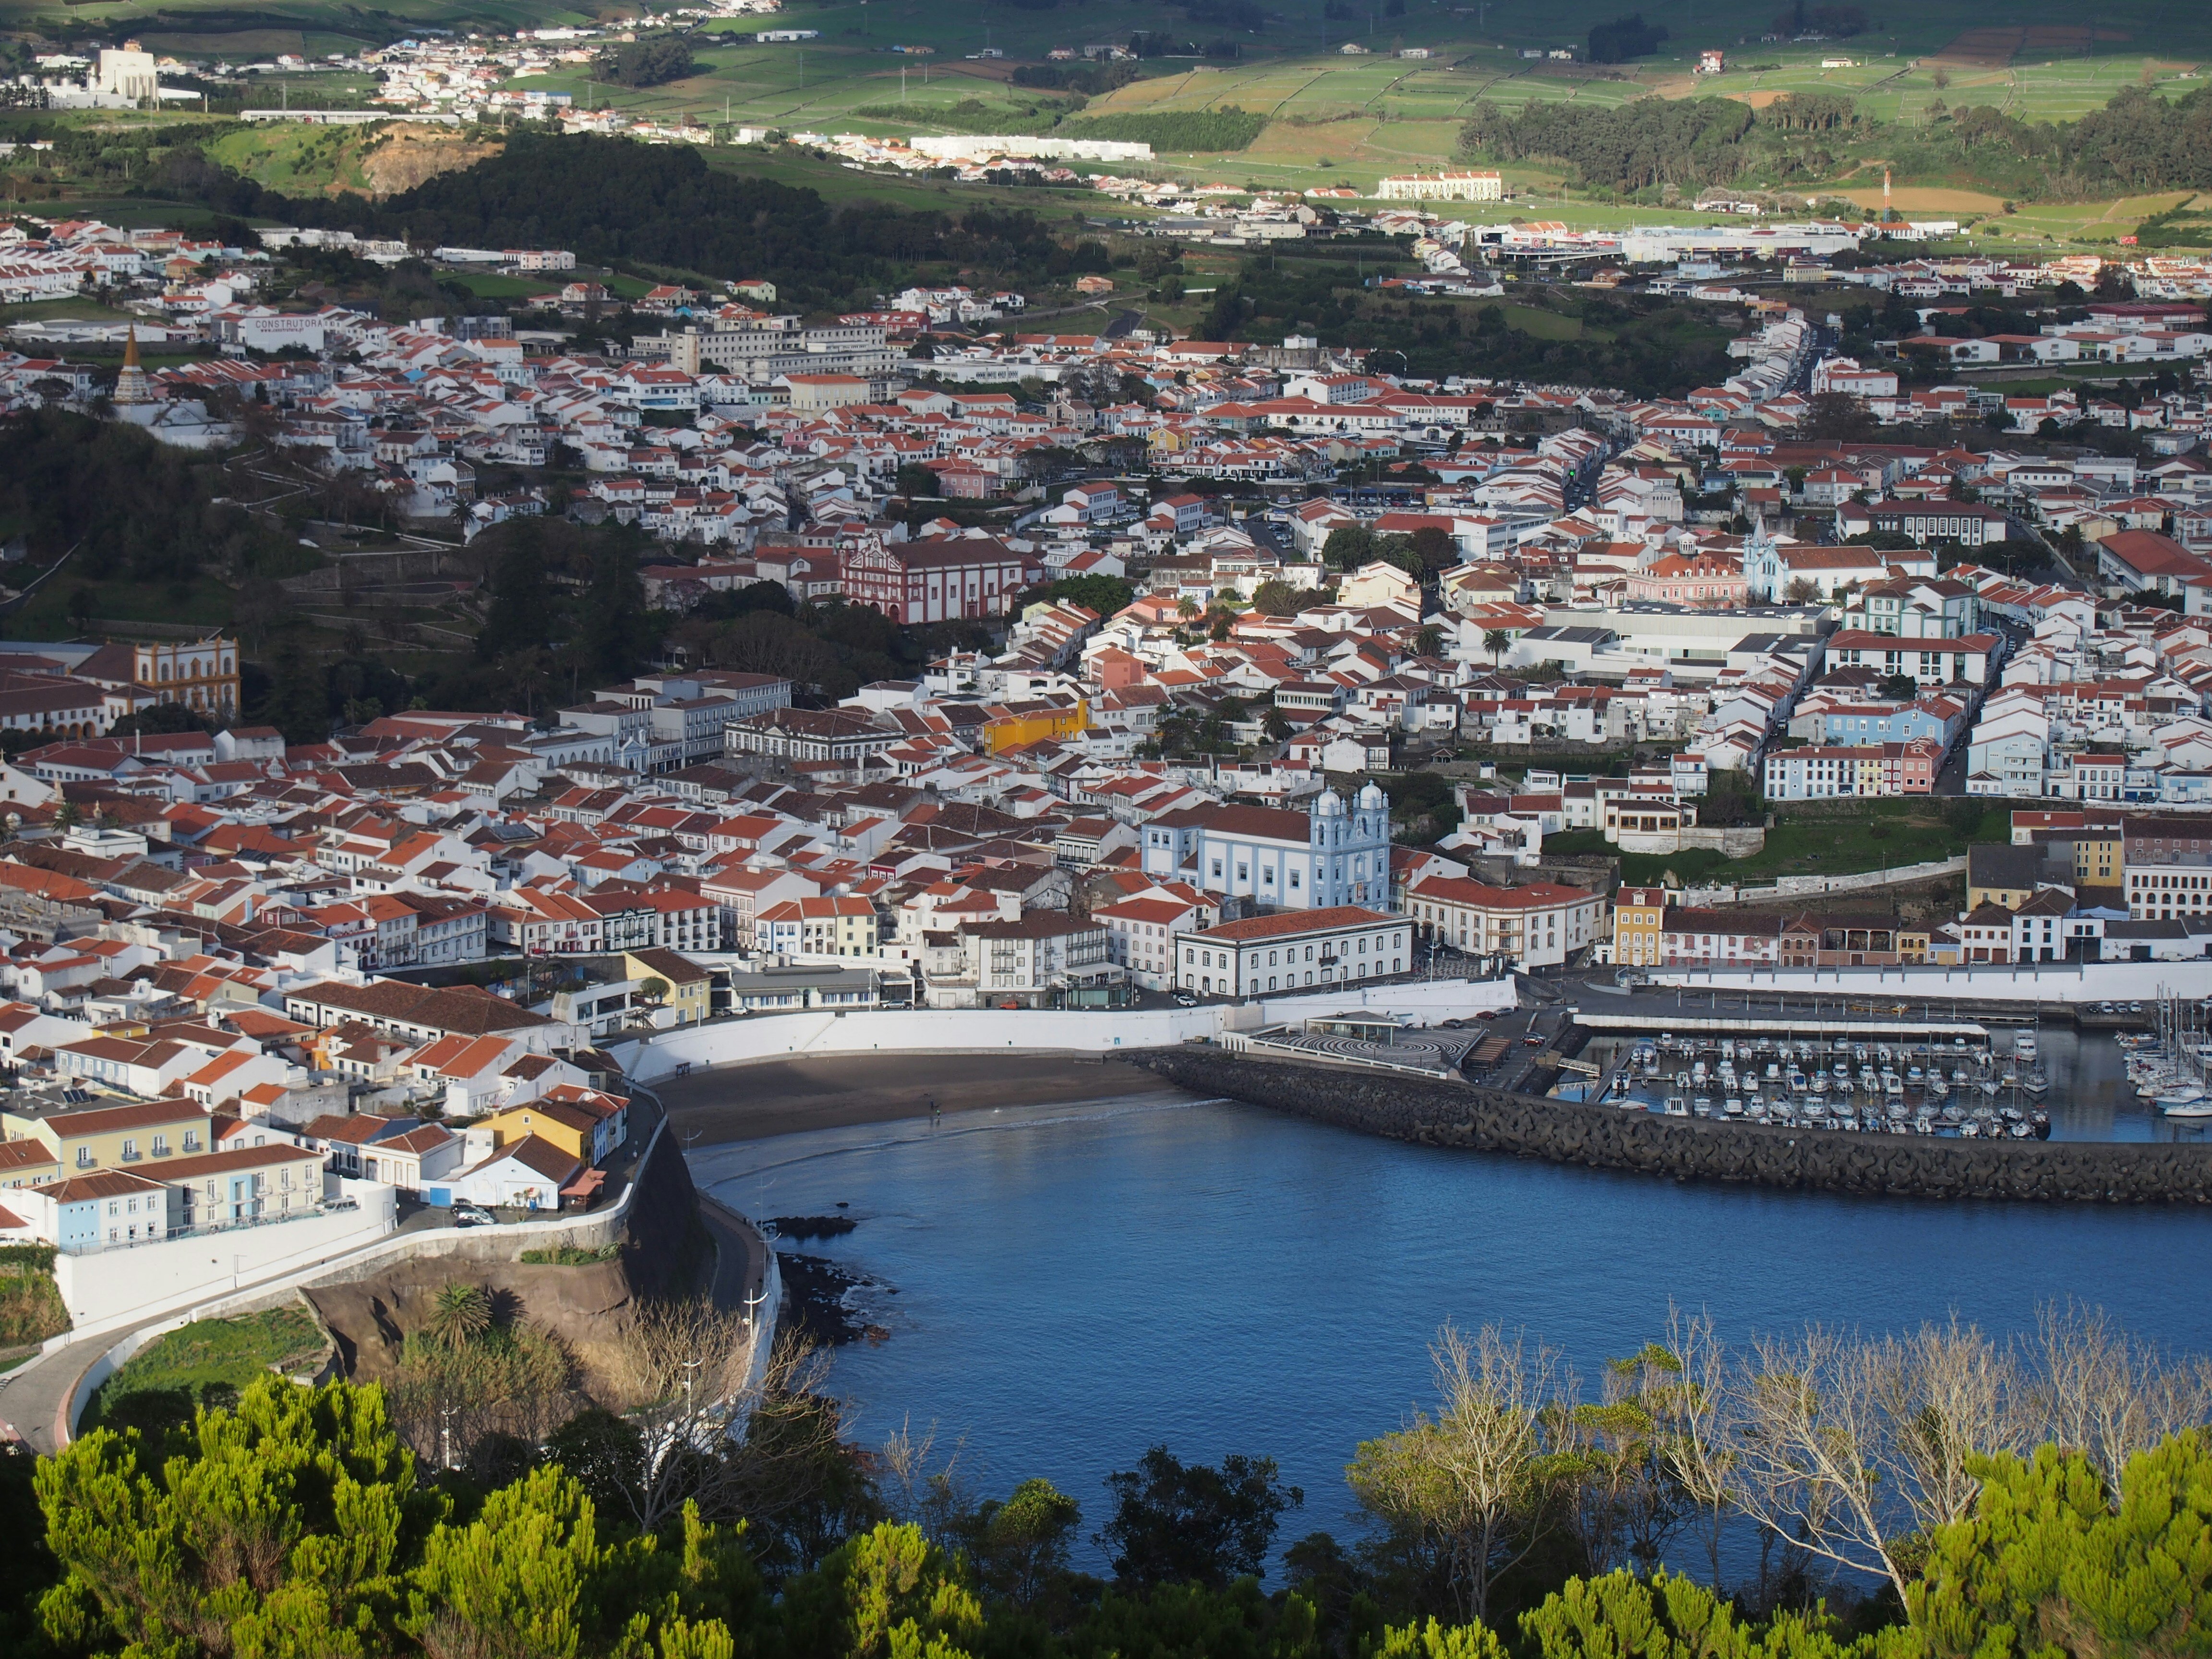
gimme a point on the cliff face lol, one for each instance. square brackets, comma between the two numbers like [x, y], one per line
[1695, 1149]
[662, 1255]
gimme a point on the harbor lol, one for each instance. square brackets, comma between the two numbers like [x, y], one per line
[2122, 1070]
[1951, 1080]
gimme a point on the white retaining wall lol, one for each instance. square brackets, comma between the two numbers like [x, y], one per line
[119, 1284]
[2102, 981]
[755, 1038]
[1797, 886]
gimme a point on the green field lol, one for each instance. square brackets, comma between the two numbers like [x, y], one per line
[1880, 834]
[1335, 120]
[202, 1363]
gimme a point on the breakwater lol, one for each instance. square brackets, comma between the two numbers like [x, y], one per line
[1455, 1115]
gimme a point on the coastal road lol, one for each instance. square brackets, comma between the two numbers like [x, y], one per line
[33, 1403]
[740, 1255]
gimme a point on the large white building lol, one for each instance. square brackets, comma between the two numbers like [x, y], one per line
[1328, 857]
[1538, 925]
[1442, 187]
[1260, 954]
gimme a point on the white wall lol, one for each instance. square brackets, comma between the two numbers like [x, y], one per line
[979, 1030]
[117, 1284]
[2107, 982]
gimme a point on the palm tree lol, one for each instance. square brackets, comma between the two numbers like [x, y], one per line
[1495, 642]
[459, 1313]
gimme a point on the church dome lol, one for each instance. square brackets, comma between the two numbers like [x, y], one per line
[1372, 800]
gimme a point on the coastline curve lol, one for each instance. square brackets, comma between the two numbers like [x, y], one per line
[1455, 1115]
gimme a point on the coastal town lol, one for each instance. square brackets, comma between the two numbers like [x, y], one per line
[878, 832]
[1270, 670]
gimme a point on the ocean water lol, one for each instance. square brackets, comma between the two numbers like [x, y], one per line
[1064, 1287]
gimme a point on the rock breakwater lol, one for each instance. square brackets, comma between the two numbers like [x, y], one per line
[1454, 1115]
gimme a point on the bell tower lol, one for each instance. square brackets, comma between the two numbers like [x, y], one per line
[131, 385]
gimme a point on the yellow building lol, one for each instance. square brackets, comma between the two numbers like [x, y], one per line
[201, 676]
[115, 1137]
[580, 1122]
[1026, 723]
[820, 392]
[688, 984]
[1639, 923]
[28, 1162]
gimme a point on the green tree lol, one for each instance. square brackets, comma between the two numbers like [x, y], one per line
[521, 614]
[914, 479]
[1276, 597]
[1437, 550]
[1349, 546]
[298, 702]
[2051, 1561]
[459, 1313]
[1670, 1617]
[1494, 641]
[887, 1593]
[1021, 1544]
[1192, 1523]
[285, 1529]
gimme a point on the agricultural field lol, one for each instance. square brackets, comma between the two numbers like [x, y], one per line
[1336, 117]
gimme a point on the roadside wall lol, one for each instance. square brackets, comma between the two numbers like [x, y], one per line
[126, 1284]
[1693, 1149]
[982, 1031]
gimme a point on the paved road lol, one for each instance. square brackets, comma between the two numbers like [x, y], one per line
[740, 1254]
[32, 1405]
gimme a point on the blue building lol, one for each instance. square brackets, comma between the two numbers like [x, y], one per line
[1280, 860]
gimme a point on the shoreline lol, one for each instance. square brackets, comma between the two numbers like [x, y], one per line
[792, 1095]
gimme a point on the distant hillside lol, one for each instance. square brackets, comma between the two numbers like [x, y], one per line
[1226, 129]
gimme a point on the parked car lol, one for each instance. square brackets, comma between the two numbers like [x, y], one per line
[472, 1215]
[1186, 998]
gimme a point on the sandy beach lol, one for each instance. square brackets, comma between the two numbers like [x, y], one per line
[784, 1097]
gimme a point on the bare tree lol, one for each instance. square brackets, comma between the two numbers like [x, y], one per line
[1858, 1448]
[1948, 1394]
[682, 1376]
[2097, 1391]
[922, 1487]
[1807, 1445]
[1472, 1482]
[1695, 1426]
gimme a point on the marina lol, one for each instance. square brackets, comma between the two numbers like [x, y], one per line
[2135, 1071]
[1929, 1080]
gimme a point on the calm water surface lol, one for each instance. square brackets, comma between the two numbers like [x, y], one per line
[1074, 1284]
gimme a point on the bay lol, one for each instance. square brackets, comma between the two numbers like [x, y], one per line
[1064, 1287]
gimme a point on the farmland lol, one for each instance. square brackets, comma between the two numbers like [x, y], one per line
[1342, 107]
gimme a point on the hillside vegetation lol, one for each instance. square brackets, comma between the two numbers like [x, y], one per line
[1229, 129]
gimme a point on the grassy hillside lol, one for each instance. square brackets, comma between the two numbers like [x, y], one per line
[1324, 117]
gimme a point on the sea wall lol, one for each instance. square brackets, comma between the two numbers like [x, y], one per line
[1447, 1114]
[823, 1032]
